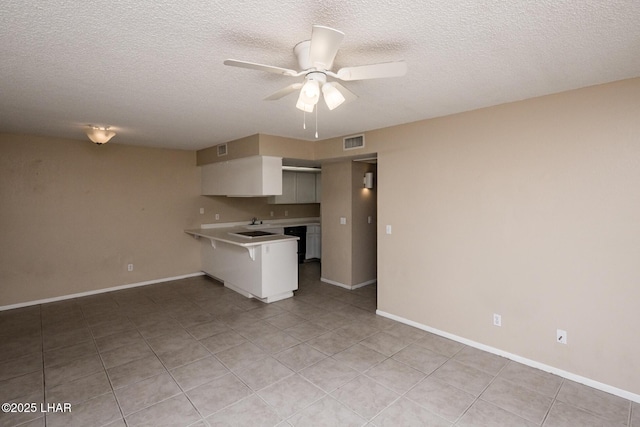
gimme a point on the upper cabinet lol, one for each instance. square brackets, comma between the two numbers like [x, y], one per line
[305, 187]
[297, 187]
[248, 176]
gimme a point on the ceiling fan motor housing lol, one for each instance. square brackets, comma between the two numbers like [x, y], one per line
[318, 76]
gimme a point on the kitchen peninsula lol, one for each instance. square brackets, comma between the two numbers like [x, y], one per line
[257, 264]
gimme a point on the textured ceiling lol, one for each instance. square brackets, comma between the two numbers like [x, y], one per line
[153, 69]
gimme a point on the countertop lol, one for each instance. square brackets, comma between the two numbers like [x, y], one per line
[292, 223]
[222, 234]
[266, 224]
[220, 231]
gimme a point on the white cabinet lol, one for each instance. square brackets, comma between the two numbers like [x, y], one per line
[305, 187]
[314, 239]
[297, 187]
[288, 188]
[248, 176]
[270, 276]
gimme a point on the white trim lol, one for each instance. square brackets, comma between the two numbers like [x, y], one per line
[301, 169]
[352, 287]
[331, 282]
[532, 363]
[98, 291]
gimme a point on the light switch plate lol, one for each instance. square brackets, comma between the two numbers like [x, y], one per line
[343, 220]
[561, 336]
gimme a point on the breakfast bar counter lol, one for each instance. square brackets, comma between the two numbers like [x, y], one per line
[256, 264]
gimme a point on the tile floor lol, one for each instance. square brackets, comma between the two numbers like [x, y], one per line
[192, 353]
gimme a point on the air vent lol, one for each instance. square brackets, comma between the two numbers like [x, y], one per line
[353, 142]
[222, 150]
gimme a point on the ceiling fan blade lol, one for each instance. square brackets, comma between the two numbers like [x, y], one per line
[260, 67]
[373, 71]
[324, 46]
[284, 92]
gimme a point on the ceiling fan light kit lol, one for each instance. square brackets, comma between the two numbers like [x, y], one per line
[315, 59]
[310, 93]
[332, 96]
[301, 105]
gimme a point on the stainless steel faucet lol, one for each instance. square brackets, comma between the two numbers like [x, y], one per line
[254, 220]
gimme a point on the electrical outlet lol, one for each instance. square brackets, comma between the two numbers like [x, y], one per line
[286, 213]
[201, 211]
[369, 219]
[343, 220]
[388, 229]
[129, 267]
[271, 213]
[561, 336]
[217, 217]
[497, 320]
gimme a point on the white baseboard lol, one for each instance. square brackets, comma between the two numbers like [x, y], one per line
[350, 287]
[532, 363]
[98, 291]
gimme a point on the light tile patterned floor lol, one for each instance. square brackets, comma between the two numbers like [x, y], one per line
[192, 353]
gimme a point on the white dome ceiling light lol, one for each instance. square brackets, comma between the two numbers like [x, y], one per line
[100, 135]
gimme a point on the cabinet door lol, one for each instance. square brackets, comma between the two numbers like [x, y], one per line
[248, 176]
[288, 189]
[305, 188]
[313, 242]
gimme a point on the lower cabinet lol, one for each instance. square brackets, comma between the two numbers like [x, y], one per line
[271, 276]
[314, 242]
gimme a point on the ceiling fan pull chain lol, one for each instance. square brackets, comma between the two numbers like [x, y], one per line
[304, 120]
[316, 122]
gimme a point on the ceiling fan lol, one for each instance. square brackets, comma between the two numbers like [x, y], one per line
[315, 59]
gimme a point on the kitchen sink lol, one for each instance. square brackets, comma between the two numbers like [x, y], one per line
[257, 226]
[252, 234]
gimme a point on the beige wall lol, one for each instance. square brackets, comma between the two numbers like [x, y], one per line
[336, 238]
[73, 215]
[530, 210]
[260, 144]
[232, 209]
[348, 251]
[236, 149]
[286, 147]
[332, 148]
[364, 241]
